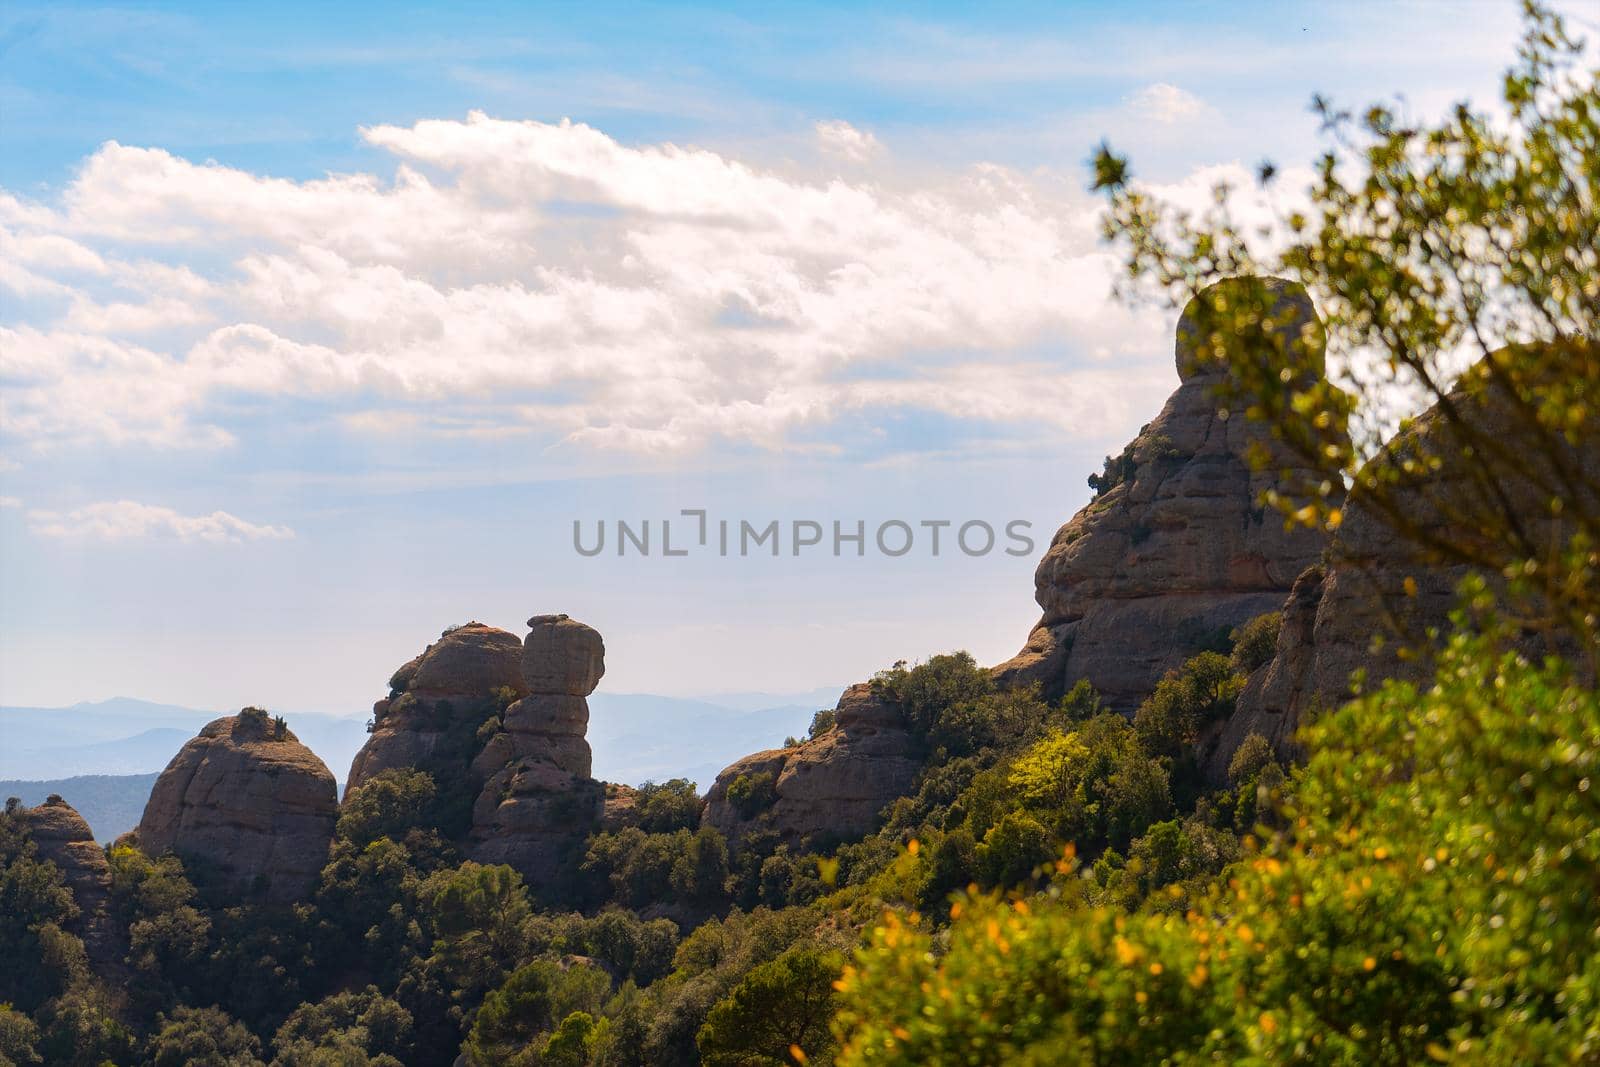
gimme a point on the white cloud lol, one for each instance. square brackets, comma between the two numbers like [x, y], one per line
[120, 520]
[838, 138]
[1167, 104]
[526, 277]
[10, 502]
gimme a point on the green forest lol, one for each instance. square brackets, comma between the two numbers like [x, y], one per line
[1415, 878]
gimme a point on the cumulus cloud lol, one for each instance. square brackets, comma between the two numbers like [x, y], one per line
[1166, 104]
[839, 138]
[121, 520]
[545, 278]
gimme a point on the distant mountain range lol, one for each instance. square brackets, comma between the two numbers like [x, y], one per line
[110, 804]
[104, 756]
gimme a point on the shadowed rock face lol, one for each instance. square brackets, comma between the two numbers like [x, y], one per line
[454, 676]
[833, 785]
[255, 808]
[62, 837]
[538, 798]
[1381, 594]
[1177, 554]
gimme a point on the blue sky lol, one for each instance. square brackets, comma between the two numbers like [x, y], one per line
[322, 326]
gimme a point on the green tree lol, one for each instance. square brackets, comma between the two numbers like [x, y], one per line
[661, 808]
[388, 804]
[35, 906]
[19, 1038]
[779, 1007]
[80, 1028]
[363, 1027]
[202, 1037]
[533, 1001]
[1255, 642]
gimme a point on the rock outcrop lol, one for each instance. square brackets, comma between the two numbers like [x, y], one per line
[501, 724]
[1372, 607]
[833, 785]
[537, 797]
[248, 806]
[62, 837]
[453, 679]
[1176, 553]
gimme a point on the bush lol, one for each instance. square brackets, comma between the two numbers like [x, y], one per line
[201, 1036]
[388, 804]
[752, 794]
[924, 693]
[1255, 643]
[1253, 754]
[531, 1003]
[667, 806]
[1171, 718]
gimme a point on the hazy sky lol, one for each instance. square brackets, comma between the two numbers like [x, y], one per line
[318, 330]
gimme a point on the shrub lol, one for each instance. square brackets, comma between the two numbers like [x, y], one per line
[667, 806]
[1255, 643]
[387, 805]
[201, 1035]
[752, 794]
[1254, 753]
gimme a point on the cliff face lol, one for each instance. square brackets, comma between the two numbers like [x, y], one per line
[832, 785]
[1372, 607]
[63, 837]
[1177, 553]
[524, 765]
[254, 807]
[452, 679]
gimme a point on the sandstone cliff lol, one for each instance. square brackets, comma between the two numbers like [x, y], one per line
[500, 723]
[431, 696]
[538, 799]
[833, 785]
[1175, 553]
[62, 837]
[247, 805]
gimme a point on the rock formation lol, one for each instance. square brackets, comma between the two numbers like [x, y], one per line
[1173, 556]
[833, 785]
[1374, 604]
[453, 679]
[246, 804]
[502, 724]
[62, 837]
[537, 796]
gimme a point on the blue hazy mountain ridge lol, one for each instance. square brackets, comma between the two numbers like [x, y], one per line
[124, 736]
[638, 737]
[106, 754]
[110, 803]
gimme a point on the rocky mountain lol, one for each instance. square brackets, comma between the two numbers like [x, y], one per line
[832, 785]
[1176, 550]
[437, 697]
[249, 803]
[538, 800]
